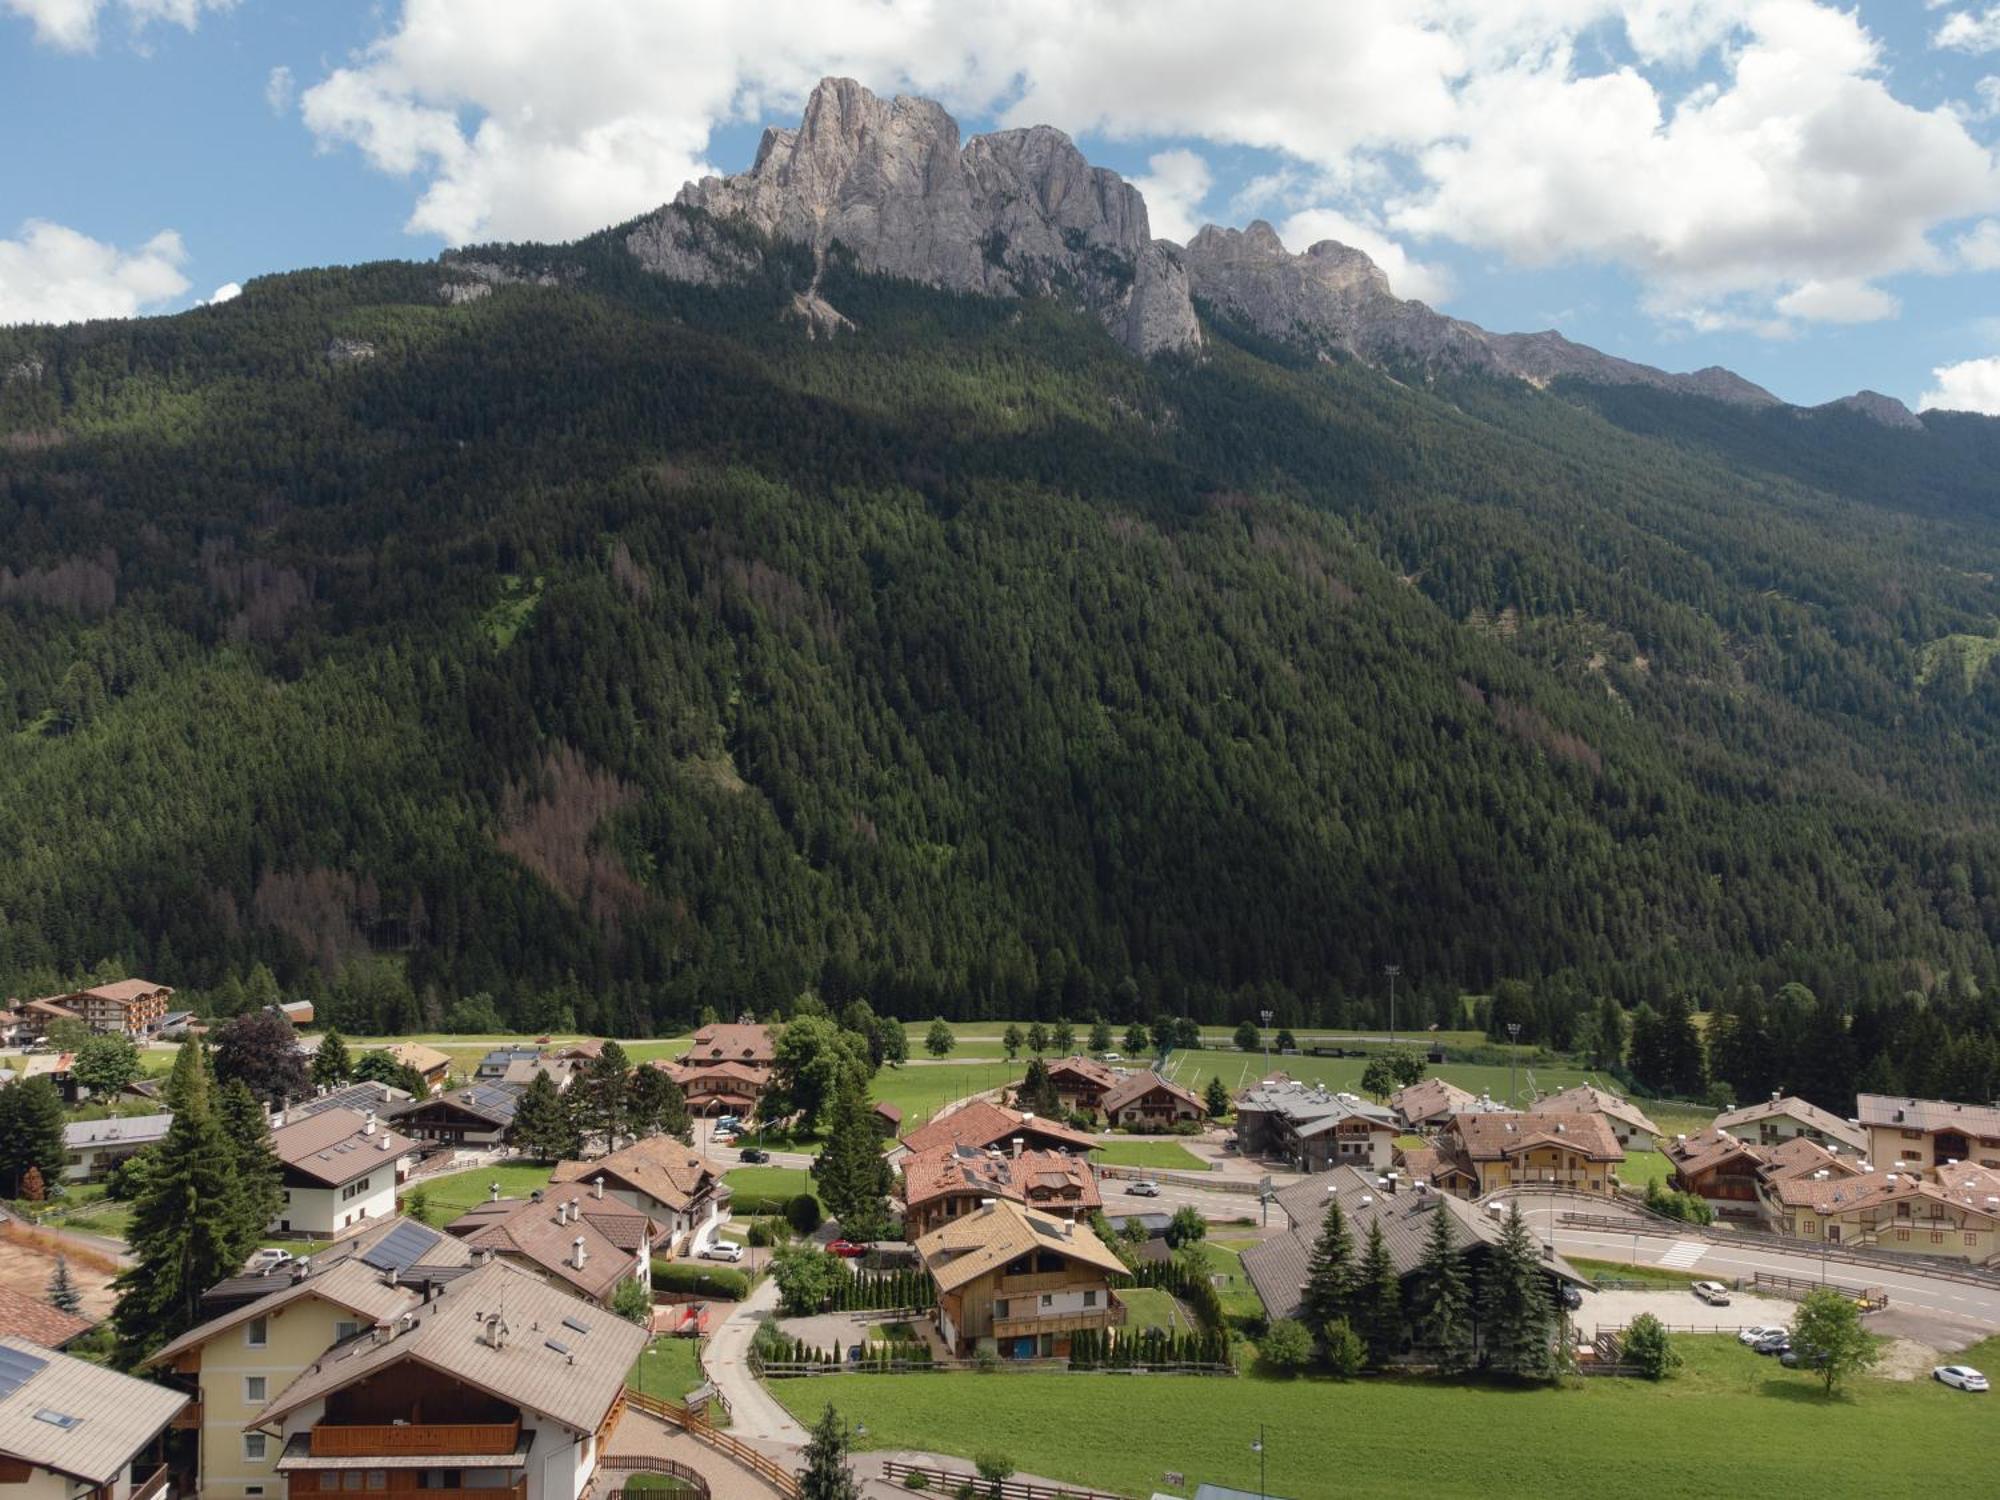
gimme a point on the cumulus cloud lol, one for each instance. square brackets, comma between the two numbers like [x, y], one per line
[1408, 277]
[1970, 31]
[227, 292]
[1971, 385]
[1729, 153]
[53, 274]
[1978, 249]
[71, 25]
[1174, 188]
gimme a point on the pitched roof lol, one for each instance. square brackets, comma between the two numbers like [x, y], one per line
[1494, 1137]
[1971, 1188]
[546, 1363]
[973, 1245]
[1709, 1149]
[128, 1130]
[52, 1008]
[1087, 1070]
[1799, 1157]
[115, 1415]
[1311, 1108]
[887, 1112]
[417, 1055]
[687, 1072]
[961, 1169]
[47, 1064]
[1926, 1114]
[981, 1124]
[523, 1071]
[125, 991]
[493, 1103]
[659, 1166]
[365, 1095]
[1792, 1107]
[1428, 1098]
[1588, 1099]
[545, 1234]
[40, 1321]
[734, 1041]
[337, 1145]
[1135, 1086]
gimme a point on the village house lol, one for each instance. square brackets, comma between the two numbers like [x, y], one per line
[1278, 1267]
[1146, 1101]
[1928, 1132]
[983, 1126]
[366, 1095]
[576, 1239]
[1080, 1082]
[433, 1066]
[73, 1430]
[493, 1066]
[1429, 1102]
[262, 1331]
[1955, 1213]
[1787, 1117]
[1019, 1283]
[340, 1170]
[1722, 1171]
[91, 1148]
[679, 1189]
[715, 1089]
[496, 1384]
[127, 1007]
[1626, 1120]
[1479, 1153]
[478, 1115]
[1314, 1129]
[952, 1181]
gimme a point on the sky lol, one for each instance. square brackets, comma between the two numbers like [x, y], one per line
[1805, 192]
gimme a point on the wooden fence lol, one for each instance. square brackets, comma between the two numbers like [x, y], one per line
[1871, 1298]
[783, 1480]
[637, 1463]
[951, 1481]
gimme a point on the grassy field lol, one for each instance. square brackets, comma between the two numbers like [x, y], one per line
[1149, 1307]
[1236, 1069]
[1729, 1423]
[1651, 1275]
[1642, 1167]
[670, 1368]
[1239, 1298]
[446, 1198]
[774, 1183]
[919, 1091]
[1162, 1156]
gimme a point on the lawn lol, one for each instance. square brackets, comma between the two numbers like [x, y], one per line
[1642, 1167]
[445, 1198]
[773, 1185]
[1239, 1298]
[1651, 1275]
[667, 1370]
[919, 1090]
[1238, 1069]
[1149, 1307]
[1728, 1423]
[1162, 1156]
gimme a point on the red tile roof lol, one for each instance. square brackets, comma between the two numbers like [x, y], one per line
[22, 1316]
[981, 1124]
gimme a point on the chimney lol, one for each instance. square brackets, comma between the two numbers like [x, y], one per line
[1069, 1229]
[493, 1191]
[577, 1246]
[986, 1205]
[496, 1331]
[1775, 1096]
[598, 1185]
[368, 1125]
[1016, 1144]
[535, 1196]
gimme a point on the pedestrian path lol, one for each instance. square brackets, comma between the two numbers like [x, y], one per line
[1682, 1254]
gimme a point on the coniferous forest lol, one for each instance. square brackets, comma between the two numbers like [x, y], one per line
[596, 652]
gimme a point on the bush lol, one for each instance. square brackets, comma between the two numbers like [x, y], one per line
[916, 1479]
[807, 1278]
[1689, 1208]
[1286, 1347]
[804, 1214]
[1648, 1346]
[701, 1280]
[1345, 1352]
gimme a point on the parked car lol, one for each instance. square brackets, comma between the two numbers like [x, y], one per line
[1964, 1377]
[1714, 1293]
[1758, 1331]
[723, 1250]
[728, 1122]
[753, 1154]
[1111, 1057]
[1571, 1297]
[1144, 1190]
[846, 1249]
[1793, 1359]
[1772, 1343]
[268, 1259]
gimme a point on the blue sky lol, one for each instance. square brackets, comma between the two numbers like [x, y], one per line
[1805, 192]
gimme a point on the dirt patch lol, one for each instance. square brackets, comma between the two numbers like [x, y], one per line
[1906, 1359]
[28, 1260]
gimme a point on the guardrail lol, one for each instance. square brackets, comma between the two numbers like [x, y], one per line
[1936, 1267]
[776, 1475]
[951, 1482]
[1210, 1182]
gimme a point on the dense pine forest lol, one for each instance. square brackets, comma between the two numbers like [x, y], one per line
[595, 652]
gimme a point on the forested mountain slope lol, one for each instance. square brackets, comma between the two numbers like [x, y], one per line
[613, 647]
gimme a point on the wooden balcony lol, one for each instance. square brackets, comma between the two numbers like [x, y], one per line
[440, 1438]
[151, 1486]
[1048, 1281]
[187, 1417]
[1024, 1325]
[402, 1482]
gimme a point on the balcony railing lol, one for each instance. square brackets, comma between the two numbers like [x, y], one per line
[1069, 1320]
[188, 1416]
[152, 1485]
[1043, 1281]
[360, 1441]
[308, 1485]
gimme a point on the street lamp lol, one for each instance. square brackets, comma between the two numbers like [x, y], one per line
[1263, 1488]
[1392, 970]
[1513, 1057]
[1266, 1034]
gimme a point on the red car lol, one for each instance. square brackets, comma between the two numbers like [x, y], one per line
[846, 1249]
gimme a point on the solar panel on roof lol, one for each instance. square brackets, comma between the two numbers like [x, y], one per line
[17, 1369]
[557, 1344]
[576, 1324]
[1047, 1231]
[402, 1246]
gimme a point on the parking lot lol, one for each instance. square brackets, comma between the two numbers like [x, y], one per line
[1680, 1310]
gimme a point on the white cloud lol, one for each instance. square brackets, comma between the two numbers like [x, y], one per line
[1173, 190]
[229, 291]
[1971, 385]
[1838, 302]
[1408, 277]
[1748, 151]
[71, 25]
[280, 89]
[1978, 249]
[1970, 32]
[53, 274]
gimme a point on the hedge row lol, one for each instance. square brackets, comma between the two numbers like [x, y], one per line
[700, 1279]
[1119, 1349]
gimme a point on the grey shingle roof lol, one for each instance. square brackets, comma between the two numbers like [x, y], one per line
[116, 1415]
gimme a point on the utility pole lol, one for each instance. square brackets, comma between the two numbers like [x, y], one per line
[1513, 1057]
[1392, 970]
[1263, 1483]
[1266, 1034]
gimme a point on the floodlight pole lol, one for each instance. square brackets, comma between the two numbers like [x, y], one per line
[1513, 1058]
[1392, 970]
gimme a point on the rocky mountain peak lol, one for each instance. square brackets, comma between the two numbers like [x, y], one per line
[1014, 213]
[1878, 408]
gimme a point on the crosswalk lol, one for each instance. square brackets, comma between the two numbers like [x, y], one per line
[1682, 1254]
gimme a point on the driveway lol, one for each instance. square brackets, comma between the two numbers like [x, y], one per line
[1680, 1310]
[753, 1414]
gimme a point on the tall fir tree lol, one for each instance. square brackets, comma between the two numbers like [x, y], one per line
[331, 1066]
[1444, 1309]
[604, 1094]
[657, 1104]
[260, 1191]
[31, 1134]
[1516, 1316]
[185, 1223]
[543, 1126]
[853, 1177]
[1329, 1291]
[826, 1475]
[1379, 1300]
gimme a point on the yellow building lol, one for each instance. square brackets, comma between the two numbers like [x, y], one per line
[1954, 1212]
[1477, 1153]
[1018, 1282]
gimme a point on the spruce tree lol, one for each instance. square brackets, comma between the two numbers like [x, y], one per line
[31, 1133]
[1329, 1274]
[603, 1094]
[1444, 1313]
[1216, 1099]
[853, 1178]
[826, 1475]
[331, 1066]
[657, 1104]
[185, 1223]
[1379, 1300]
[1515, 1311]
[63, 1293]
[259, 1178]
[542, 1125]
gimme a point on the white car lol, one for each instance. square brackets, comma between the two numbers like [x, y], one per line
[268, 1259]
[1758, 1331]
[1714, 1293]
[1144, 1190]
[1963, 1376]
[723, 1250]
